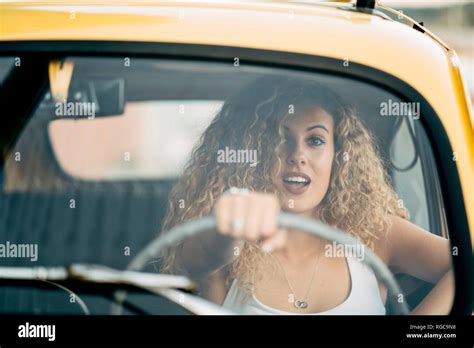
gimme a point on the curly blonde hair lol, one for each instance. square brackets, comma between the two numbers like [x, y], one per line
[359, 199]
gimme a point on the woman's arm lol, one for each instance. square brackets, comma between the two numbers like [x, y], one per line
[205, 253]
[440, 299]
[417, 252]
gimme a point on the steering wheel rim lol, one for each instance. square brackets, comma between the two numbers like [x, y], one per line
[286, 220]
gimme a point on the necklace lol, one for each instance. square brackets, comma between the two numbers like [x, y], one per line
[300, 303]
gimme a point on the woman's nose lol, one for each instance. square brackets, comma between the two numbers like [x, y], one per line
[297, 158]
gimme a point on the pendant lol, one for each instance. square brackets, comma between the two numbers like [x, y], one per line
[300, 304]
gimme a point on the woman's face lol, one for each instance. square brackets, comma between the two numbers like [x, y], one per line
[306, 161]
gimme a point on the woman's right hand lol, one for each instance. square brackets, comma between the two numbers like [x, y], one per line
[250, 216]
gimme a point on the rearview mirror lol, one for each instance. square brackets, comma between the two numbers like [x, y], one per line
[90, 98]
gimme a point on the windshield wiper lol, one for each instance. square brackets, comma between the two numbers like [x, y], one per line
[172, 287]
[97, 274]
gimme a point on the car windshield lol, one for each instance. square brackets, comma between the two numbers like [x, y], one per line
[142, 145]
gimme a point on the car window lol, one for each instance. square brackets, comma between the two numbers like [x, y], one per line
[408, 175]
[156, 139]
[96, 178]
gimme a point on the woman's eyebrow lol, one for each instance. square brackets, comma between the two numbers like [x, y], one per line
[317, 126]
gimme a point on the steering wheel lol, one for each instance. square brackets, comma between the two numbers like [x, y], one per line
[285, 220]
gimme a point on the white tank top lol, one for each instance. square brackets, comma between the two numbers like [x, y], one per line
[364, 297]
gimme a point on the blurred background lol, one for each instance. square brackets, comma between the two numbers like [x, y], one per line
[452, 21]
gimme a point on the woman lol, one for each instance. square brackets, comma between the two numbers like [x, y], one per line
[315, 158]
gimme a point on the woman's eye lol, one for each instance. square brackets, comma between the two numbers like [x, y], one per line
[315, 141]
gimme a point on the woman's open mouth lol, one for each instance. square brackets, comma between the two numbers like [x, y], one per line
[296, 183]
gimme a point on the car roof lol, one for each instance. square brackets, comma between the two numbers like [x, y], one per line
[327, 30]
[292, 27]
